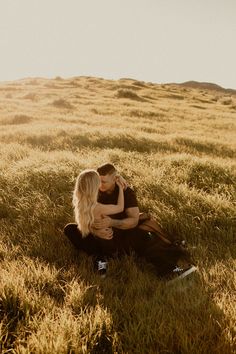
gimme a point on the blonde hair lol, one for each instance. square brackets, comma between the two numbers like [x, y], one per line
[85, 199]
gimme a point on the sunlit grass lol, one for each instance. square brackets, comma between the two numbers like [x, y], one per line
[176, 147]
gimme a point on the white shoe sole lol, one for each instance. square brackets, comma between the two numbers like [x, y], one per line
[189, 271]
[185, 274]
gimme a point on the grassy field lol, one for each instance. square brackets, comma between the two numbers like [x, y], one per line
[176, 146]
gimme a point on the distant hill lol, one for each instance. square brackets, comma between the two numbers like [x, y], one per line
[207, 86]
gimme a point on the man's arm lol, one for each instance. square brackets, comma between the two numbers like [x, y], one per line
[127, 223]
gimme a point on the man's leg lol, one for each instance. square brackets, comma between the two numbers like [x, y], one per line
[88, 244]
[150, 247]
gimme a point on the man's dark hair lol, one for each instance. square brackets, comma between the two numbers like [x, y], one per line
[106, 169]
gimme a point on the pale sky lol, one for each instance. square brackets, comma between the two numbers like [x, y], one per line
[151, 40]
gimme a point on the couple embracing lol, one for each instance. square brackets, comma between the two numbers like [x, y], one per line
[109, 224]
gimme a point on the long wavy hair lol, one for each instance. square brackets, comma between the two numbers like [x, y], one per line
[85, 199]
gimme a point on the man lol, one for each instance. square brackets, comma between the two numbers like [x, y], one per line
[108, 194]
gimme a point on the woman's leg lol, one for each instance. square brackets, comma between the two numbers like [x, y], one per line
[91, 245]
[88, 244]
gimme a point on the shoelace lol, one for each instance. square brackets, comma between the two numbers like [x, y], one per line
[102, 265]
[178, 269]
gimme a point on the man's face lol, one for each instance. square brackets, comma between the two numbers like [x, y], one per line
[108, 183]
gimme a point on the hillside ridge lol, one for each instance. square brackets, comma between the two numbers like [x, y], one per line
[189, 84]
[208, 86]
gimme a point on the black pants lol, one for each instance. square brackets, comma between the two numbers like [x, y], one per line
[123, 241]
[88, 244]
[148, 245]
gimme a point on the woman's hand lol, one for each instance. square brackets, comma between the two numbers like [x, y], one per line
[120, 181]
[119, 184]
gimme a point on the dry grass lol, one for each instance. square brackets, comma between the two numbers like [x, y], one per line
[61, 103]
[178, 155]
[129, 94]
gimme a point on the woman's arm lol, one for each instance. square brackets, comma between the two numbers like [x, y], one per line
[110, 209]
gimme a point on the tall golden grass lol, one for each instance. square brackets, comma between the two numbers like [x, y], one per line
[176, 147]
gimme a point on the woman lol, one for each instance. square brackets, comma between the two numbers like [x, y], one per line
[86, 207]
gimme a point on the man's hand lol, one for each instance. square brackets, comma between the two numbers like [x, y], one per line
[105, 234]
[103, 223]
